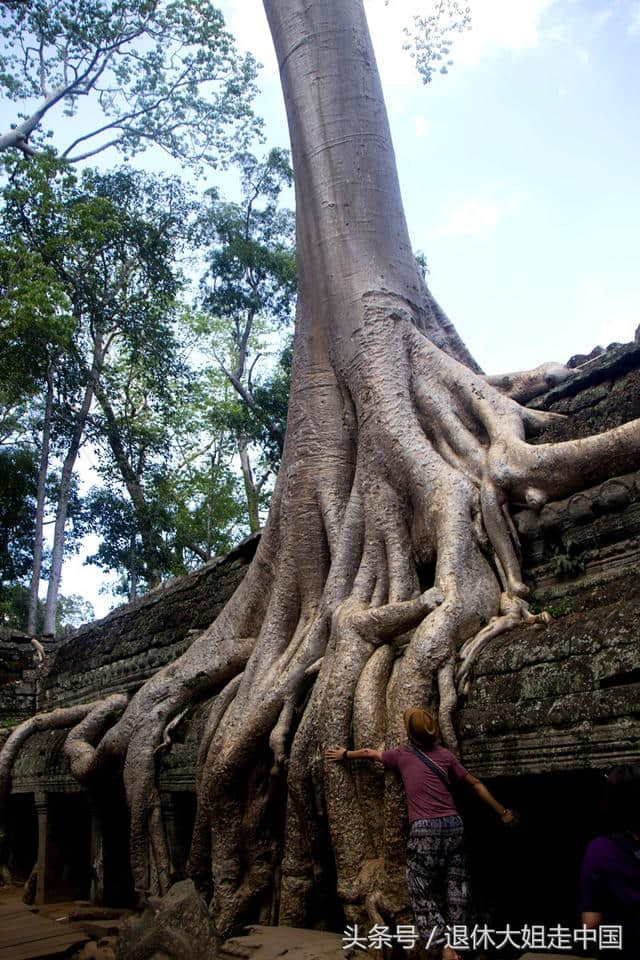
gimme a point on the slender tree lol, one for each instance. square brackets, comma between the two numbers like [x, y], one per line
[388, 542]
[106, 240]
[35, 327]
[248, 293]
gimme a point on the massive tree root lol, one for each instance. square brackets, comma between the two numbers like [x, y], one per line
[389, 545]
[87, 722]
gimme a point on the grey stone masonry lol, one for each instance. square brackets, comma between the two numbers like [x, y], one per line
[119, 652]
[17, 677]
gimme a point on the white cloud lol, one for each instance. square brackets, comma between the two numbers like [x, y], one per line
[601, 17]
[480, 215]
[513, 201]
[502, 25]
[497, 25]
[474, 218]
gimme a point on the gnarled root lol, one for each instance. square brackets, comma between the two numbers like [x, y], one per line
[526, 384]
[389, 544]
[82, 718]
[513, 612]
[79, 746]
[438, 459]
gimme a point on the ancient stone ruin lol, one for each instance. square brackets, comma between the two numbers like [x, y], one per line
[549, 708]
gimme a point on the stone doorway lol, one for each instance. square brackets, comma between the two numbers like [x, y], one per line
[530, 875]
[22, 835]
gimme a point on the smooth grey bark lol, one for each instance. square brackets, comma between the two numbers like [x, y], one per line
[133, 571]
[43, 470]
[19, 135]
[132, 481]
[350, 218]
[250, 488]
[57, 554]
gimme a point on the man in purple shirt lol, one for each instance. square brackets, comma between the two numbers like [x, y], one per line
[436, 866]
[610, 875]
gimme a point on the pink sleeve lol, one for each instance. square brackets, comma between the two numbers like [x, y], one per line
[458, 771]
[390, 757]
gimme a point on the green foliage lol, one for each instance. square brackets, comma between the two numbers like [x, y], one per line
[34, 322]
[558, 607]
[421, 262]
[272, 398]
[251, 260]
[97, 256]
[18, 473]
[431, 38]
[107, 244]
[568, 562]
[156, 72]
[71, 611]
[97, 241]
[247, 296]
[18, 481]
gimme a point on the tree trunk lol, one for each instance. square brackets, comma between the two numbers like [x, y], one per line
[133, 571]
[32, 616]
[250, 489]
[57, 555]
[150, 540]
[388, 542]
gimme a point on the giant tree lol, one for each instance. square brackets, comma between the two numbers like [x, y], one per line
[388, 542]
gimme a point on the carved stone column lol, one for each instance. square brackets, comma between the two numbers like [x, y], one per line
[42, 810]
[168, 805]
[96, 889]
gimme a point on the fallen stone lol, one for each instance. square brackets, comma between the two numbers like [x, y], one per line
[173, 927]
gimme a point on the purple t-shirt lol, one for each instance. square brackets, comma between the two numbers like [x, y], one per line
[427, 796]
[610, 884]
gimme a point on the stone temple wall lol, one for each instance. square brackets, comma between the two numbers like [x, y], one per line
[568, 697]
[18, 677]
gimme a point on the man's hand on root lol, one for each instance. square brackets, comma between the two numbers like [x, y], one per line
[339, 754]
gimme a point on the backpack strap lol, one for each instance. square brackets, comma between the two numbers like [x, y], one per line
[439, 772]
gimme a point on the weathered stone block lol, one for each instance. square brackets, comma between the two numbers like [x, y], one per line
[174, 927]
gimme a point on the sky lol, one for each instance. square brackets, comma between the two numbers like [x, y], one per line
[519, 172]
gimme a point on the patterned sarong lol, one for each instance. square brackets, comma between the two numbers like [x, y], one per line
[437, 876]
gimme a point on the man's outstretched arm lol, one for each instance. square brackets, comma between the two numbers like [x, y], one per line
[341, 753]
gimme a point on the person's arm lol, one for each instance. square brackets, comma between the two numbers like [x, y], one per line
[507, 816]
[341, 753]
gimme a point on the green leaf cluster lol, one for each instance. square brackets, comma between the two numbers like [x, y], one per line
[155, 72]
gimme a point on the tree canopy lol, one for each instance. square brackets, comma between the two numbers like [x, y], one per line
[163, 72]
[105, 348]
